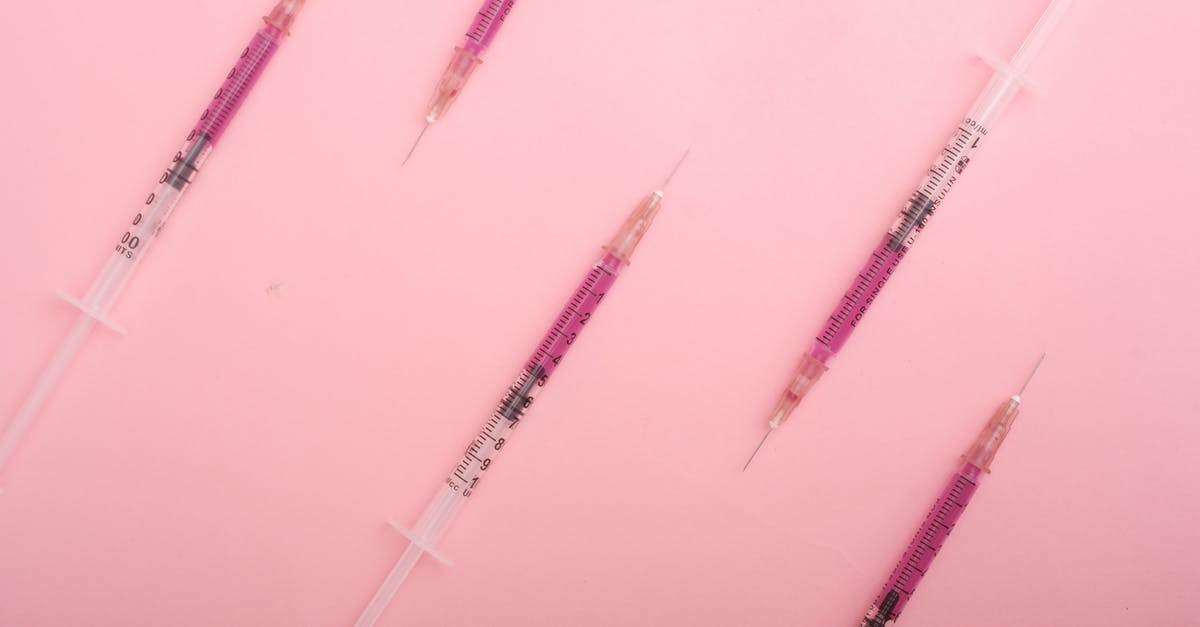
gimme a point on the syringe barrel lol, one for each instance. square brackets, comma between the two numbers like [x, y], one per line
[917, 559]
[942, 518]
[136, 241]
[863, 290]
[1000, 90]
[567, 328]
[491, 439]
[946, 170]
[146, 225]
[994, 99]
[133, 245]
[486, 446]
[487, 23]
[238, 83]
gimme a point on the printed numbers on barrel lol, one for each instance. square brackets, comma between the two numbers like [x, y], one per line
[129, 242]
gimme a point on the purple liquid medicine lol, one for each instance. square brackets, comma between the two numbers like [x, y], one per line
[186, 163]
[945, 172]
[923, 548]
[534, 376]
[134, 243]
[464, 480]
[881, 265]
[940, 521]
[487, 23]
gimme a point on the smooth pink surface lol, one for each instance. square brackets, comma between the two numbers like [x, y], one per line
[320, 332]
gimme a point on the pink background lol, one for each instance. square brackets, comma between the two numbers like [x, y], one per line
[233, 459]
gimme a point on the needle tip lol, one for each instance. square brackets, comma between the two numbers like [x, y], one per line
[1031, 373]
[756, 449]
[675, 169]
[414, 145]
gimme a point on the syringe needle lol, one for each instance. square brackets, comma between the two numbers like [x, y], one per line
[414, 146]
[1031, 373]
[675, 169]
[760, 443]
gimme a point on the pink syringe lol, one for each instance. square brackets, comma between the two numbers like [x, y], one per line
[466, 57]
[137, 238]
[425, 536]
[940, 521]
[887, 255]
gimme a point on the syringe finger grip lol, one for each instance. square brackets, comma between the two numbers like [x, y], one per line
[1006, 69]
[420, 542]
[92, 312]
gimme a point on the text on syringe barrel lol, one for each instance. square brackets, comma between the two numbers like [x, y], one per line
[909, 224]
[924, 547]
[487, 23]
[241, 79]
[567, 327]
[135, 242]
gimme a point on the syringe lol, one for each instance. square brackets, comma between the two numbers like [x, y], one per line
[136, 240]
[466, 57]
[883, 261]
[464, 479]
[940, 521]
